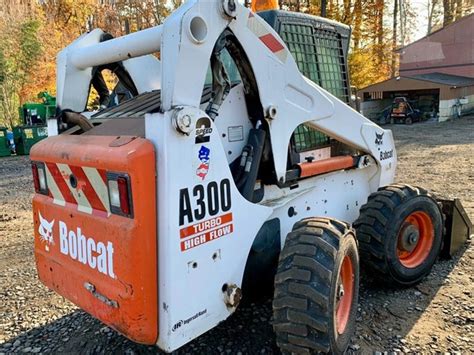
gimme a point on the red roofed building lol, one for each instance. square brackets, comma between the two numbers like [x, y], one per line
[436, 75]
[449, 50]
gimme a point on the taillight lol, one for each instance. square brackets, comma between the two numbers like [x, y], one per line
[39, 177]
[34, 167]
[120, 194]
[122, 183]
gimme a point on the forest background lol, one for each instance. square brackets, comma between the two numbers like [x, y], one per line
[32, 32]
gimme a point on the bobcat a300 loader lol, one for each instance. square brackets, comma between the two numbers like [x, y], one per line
[228, 173]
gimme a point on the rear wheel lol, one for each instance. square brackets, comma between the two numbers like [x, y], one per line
[400, 234]
[316, 288]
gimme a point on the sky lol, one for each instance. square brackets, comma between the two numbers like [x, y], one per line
[422, 20]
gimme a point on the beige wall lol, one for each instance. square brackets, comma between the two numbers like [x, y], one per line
[447, 103]
[447, 108]
[458, 92]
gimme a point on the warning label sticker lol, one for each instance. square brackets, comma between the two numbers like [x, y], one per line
[235, 133]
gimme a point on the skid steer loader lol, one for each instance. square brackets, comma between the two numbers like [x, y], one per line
[227, 173]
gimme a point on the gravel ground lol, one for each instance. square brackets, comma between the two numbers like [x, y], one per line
[435, 316]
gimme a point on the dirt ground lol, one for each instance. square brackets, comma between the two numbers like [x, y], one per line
[435, 316]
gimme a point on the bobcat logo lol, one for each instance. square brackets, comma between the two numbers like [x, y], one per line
[379, 138]
[46, 230]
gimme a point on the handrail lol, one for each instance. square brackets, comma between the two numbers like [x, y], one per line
[326, 165]
[121, 48]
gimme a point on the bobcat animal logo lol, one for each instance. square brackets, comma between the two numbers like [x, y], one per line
[46, 230]
[379, 138]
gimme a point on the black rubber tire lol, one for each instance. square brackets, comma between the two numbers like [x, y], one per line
[377, 230]
[409, 120]
[304, 304]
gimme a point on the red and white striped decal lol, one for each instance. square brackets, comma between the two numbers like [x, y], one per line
[268, 39]
[90, 195]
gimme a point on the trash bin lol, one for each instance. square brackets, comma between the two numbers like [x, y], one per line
[4, 143]
[26, 136]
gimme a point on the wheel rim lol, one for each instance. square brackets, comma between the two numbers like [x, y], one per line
[415, 239]
[344, 294]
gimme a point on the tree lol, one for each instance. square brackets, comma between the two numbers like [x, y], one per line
[380, 6]
[32, 33]
[394, 37]
[356, 29]
[20, 50]
[448, 12]
[459, 9]
[455, 9]
[431, 6]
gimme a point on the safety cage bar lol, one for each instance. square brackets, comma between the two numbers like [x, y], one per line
[121, 48]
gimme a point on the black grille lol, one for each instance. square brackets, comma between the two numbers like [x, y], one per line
[308, 138]
[319, 56]
[319, 52]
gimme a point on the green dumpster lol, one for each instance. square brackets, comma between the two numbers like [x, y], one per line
[34, 113]
[26, 136]
[4, 144]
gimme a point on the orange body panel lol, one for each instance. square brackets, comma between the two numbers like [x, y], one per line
[104, 263]
[264, 5]
[326, 166]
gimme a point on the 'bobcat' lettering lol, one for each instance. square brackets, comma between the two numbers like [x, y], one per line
[386, 155]
[86, 251]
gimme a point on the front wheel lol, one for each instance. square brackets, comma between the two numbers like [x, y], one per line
[316, 288]
[400, 234]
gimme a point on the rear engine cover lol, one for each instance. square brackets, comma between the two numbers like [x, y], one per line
[103, 262]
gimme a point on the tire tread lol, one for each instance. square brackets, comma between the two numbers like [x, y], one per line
[370, 225]
[300, 306]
